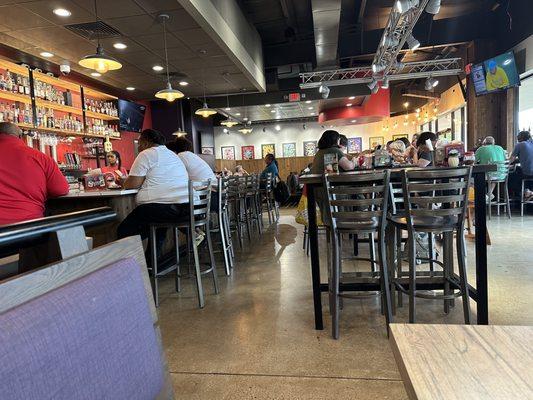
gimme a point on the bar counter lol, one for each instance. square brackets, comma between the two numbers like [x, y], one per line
[121, 201]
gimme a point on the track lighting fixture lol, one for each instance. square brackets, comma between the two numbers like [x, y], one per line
[385, 83]
[412, 42]
[433, 7]
[324, 91]
[372, 84]
[431, 83]
[402, 6]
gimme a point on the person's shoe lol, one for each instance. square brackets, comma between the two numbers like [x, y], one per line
[200, 236]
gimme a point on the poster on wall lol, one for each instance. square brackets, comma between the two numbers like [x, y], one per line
[289, 149]
[247, 152]
[228, 152]
[208, 151]
[355, 144]
[310, 148]
[269, 148]
[375, 141]
[399, 136]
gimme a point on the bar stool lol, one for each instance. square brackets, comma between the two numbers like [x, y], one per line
[359, 216]
[223, 228]
[253, 209]
[522, 194]
[435, 202]
[199, 217]
[267, 196]
[236, 199]
[499, 178]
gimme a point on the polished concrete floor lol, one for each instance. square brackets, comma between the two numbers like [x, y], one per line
[255, 340]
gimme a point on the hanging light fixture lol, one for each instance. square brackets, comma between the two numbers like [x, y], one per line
[99, 61]
[229, 123]
[205, 111]
[244, 130]
[169, 94]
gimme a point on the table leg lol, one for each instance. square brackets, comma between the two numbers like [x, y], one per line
[315, 262]
[481, 249]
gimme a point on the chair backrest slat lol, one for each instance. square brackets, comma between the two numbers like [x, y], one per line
[354, 199]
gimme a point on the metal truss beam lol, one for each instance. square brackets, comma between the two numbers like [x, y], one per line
[411, 70]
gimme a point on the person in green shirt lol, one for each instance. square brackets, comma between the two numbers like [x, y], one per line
[491, 153]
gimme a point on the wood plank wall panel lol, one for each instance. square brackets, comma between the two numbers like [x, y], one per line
[286, 165]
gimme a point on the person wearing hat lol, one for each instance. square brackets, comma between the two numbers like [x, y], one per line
[496, 77]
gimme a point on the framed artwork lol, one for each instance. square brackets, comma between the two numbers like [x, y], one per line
[375, 141]
[228, 152]
[289, 149]
[399, 136]
[269, 148]
[310, 148]
[247, 152]
[208, 150]
[355, 145]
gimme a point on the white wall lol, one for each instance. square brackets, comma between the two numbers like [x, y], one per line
[294, 133]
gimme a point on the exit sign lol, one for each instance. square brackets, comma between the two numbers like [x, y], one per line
[294, 97]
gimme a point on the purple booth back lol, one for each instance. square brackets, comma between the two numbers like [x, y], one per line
[90, 339]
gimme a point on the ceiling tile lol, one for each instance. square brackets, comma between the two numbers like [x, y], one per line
[136, 25]
[15, 17]
[45, 9]
[155, 6]
[112, 8]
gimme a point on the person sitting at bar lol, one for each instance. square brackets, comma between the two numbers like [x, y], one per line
[329, 144]
[114, 166]
[425, 152]
[490, 153]
[523, 153]
[397, 151]
[163, 184]
[197, 168]
[343, 143]
[27, 178]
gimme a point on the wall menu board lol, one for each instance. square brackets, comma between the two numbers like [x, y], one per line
[495, 74]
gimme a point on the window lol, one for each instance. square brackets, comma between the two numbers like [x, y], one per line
[525, 105]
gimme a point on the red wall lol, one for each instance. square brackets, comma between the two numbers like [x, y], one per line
[124, 146]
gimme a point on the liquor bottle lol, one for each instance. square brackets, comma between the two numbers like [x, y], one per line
[26, 86]
[9, 82]
[14, 85]
[20, 85]
[2, 82]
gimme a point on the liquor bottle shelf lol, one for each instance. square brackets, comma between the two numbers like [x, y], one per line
[18, 69]
[98, 95]
[52, 80]
[58, 107]
[22, 98]
[105, 117]
[63, 132]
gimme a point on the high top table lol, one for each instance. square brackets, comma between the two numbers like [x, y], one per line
[479, 294]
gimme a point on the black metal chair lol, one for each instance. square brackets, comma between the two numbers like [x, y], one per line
[356, 205]
[199, 217]
[523, 200]
[435, 203]
[223, 228]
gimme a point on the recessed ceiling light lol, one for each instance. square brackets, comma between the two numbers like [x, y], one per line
[278, 117]
[309, 108]
[96, 74]
[120, 46]
[130, 88]
[272, 111]
[157, 68]
[353, 121]
[308, 102]
[245, 119]
[62, 12]
[349, 105]
[351, 97]
[267, 105]
[184, 83]
[237, 114]
[46, 54]
[227, 108]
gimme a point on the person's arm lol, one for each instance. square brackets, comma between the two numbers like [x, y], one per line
[515, 154]
[56, 183]
[138, 171]
[346, 164]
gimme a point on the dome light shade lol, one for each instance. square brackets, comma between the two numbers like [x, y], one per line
[180, 133]
[229, 123]
[385, 83]
[169, 94]
[244, 130]
[100, 62]
[205, 111]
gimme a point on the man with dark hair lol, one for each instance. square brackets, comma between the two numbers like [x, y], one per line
[27, 178]
[197, 168]
[343, 143]
[163, 185]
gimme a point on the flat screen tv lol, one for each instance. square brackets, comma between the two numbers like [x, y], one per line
[495, 74]
[131, 115]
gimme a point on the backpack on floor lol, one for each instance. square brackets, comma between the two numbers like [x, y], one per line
[281, 192]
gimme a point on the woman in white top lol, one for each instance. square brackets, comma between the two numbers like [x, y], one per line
[163, 184]
[197, 168]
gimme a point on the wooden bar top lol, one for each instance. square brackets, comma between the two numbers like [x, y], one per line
[100, 193]
[317, 178]
[464, 361]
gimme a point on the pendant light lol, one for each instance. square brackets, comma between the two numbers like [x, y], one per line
[100, 62]
[169, 94]
[228, 122]
[180, 132]
[205, 111]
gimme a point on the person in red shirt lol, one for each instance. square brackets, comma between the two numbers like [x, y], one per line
[115, 166]
[27, 178]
